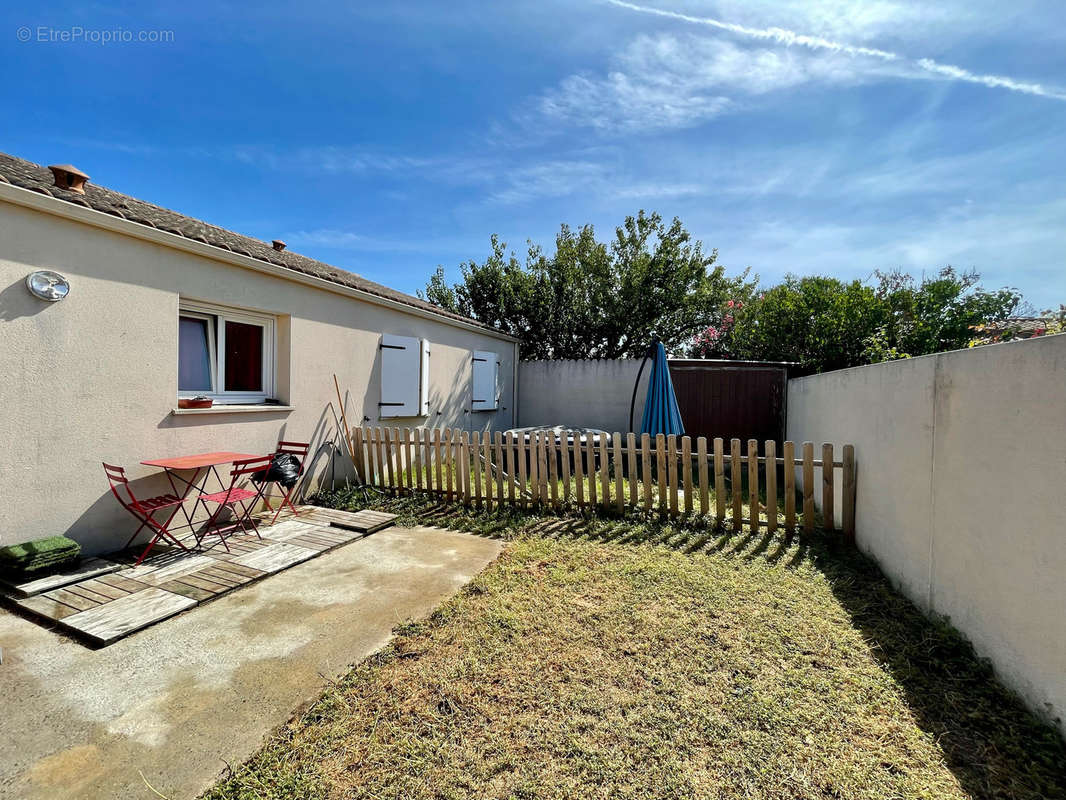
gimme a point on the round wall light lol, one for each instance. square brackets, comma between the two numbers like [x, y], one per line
[47, 285]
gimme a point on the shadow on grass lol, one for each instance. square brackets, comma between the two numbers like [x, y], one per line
[994, 746]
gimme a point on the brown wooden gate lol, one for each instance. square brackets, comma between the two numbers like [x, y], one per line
[731, 399]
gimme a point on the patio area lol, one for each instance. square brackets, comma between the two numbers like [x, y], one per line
[180, 700]
[106, 599]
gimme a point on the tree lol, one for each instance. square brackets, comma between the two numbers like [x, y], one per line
[820, 322]
[591, 299]
[937, 314]
[824, 323]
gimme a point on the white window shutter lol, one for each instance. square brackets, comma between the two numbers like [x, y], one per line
[486, 389]
[400, 375]
[423, 383]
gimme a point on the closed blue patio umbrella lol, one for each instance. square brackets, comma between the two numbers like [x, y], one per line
[661, 414]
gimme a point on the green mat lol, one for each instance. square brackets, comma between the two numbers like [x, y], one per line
[39, 555]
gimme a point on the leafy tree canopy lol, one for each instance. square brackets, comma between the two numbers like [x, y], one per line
[825, 323]
[592, 299]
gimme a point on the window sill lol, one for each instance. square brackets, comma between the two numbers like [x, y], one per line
[261, 408]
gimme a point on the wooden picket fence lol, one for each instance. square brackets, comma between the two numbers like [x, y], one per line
[611, 473]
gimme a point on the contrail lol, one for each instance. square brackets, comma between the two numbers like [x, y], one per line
[787, 37]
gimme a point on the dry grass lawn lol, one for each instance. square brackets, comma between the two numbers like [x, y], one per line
[630, 659]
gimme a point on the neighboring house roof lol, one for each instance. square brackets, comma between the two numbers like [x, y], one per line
[27, 175]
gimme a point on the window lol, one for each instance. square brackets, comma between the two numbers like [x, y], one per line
[225, 354]
[486, 385]
[404, 377]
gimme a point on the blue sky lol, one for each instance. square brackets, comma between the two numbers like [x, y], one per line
[828, 136]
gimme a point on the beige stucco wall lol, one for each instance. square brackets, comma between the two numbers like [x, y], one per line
[581, 394]
[961, 458]
[94, 377]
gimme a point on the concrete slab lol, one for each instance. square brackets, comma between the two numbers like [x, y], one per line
[177, 700]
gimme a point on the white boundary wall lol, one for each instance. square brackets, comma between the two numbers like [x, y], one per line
[961, 461]
[581, 394]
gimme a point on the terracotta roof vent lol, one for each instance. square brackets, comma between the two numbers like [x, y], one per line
[69, 177]
[278, 245]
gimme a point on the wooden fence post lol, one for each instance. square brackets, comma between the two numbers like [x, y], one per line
[522, 462]
[661, 470]
[671, 471]
[828, 517]
[701, 456]
[645, 468]
[737, 481]
[464, 466]
[450, 435]
[553, 469]
[808, 487]
[631, 457]
[719, 480]
[848, 491]
[579, 471]
[686, 471]
[408, 441]
[605, 476]
[789, 472]
[771, 485]
[357, 450]
[619, 491]
[438, 468]
[498, 443]
[590, 448]
[380, 439]
[564, 462]
[475, 457]
[753, 484]
[542, 468]
[387, 439]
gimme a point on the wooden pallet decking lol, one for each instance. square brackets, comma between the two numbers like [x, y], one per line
[106, 607]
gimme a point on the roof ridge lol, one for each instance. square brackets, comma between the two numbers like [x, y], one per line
[34, 177]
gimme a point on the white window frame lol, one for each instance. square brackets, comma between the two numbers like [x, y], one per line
[220, 315]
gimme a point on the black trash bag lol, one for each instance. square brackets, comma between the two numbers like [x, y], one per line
[284, 469]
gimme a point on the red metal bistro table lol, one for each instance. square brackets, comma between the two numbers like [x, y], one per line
[201, 463]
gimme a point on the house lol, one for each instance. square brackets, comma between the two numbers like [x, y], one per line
[156, 306]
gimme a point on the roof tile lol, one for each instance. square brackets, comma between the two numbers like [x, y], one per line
[27, 175]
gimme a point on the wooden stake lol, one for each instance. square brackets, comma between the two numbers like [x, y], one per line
[808, 487]
[719, 480]
[828, 517]
[737, 480]
[848, 495]
[789, 454]
[701, 456]
[771, 485]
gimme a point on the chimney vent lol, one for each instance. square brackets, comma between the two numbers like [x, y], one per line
[278, 245]
[69, 177]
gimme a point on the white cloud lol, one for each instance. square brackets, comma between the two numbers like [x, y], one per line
[783, 36]
[590, 179]
[666, 81]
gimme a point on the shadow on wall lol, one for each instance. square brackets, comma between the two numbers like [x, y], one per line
[105, 526]
[16, 301]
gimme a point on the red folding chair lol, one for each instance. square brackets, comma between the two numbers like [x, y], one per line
[300, 450]
[241, 501]
[144, 510]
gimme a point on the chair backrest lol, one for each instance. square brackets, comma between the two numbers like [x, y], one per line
[249, 465]
[116, 477]
[298, 449]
